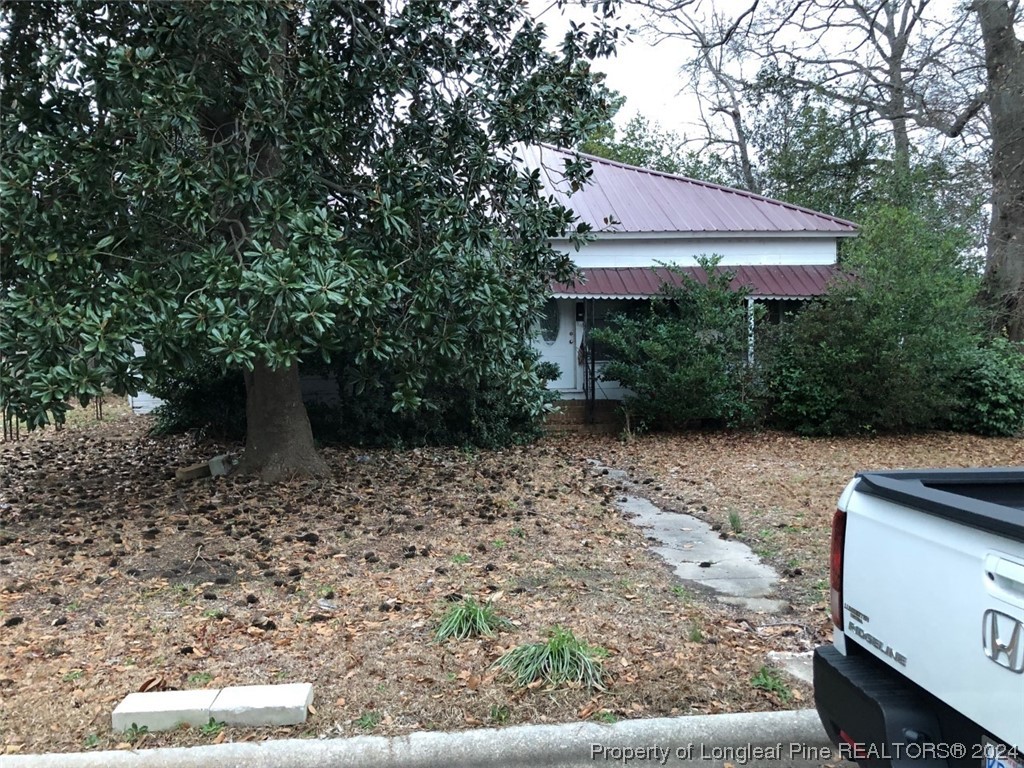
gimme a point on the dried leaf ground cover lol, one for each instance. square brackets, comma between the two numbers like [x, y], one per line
[116, 577]
[778, 492]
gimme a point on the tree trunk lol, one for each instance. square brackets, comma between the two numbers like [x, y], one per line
[1004, 62]
[897, 38]
[743, 145]
[900, 130]
[278, 442]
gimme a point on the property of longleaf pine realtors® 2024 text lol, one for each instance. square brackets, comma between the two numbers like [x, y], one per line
[740, 755]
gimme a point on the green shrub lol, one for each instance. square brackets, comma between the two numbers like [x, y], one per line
[685, 358]
[815, 372]
[325, 422]
[492, 412]
[882, 350]
[990, 391]
[450, 414]
[202, 397]
[561, 659]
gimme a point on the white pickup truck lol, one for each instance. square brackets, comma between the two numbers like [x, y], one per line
[926, 667]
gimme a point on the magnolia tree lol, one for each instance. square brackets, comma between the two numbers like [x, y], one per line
[263, 182]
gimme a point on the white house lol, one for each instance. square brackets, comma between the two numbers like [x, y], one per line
[645, 219]
[143, 402]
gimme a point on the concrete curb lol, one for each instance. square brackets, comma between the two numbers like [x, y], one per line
[751, 740]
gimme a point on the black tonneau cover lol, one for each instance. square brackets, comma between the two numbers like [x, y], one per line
[988, 499]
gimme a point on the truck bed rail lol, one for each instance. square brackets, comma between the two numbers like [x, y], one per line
[987, 499]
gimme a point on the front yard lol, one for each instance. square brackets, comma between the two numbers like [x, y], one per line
[116, 577]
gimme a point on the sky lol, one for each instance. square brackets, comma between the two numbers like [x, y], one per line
[649, 78]
[646, 74]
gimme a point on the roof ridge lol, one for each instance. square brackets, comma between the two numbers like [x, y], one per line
[700, 183]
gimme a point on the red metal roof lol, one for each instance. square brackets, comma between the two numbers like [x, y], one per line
[764, 282]
[624, 198]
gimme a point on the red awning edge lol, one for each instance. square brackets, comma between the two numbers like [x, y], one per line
[764, 282]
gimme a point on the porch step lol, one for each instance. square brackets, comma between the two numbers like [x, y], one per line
[573, 416]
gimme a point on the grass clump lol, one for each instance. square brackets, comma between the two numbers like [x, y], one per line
[368, 720]
[563, 658]
[735, 521]
[468, 618]
[212, 728]
[135, 733]
[770, 681]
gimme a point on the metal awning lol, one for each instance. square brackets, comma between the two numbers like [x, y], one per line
[764, 282]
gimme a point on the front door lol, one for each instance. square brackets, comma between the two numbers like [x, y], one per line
[556, 340]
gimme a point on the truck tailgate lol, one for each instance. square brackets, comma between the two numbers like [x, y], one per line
[941, 602]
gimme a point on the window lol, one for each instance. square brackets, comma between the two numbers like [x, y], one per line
[551, 322]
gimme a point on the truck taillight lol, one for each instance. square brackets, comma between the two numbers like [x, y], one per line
[836, 567]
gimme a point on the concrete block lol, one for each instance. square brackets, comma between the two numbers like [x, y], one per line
[221, 465]
[263, 704]
[193, 473]
[799, 665]
[164, 710]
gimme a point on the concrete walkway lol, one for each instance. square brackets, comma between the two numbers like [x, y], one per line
[756, 740]
[699, 554]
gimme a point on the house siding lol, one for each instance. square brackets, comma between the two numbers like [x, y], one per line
[610, 251]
